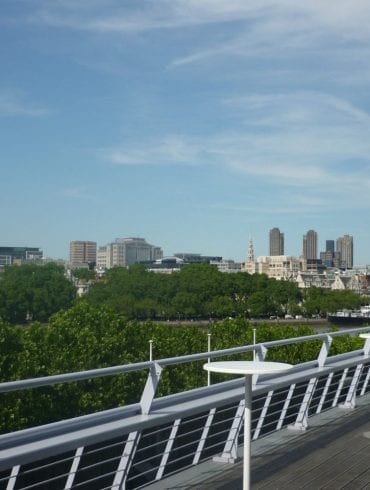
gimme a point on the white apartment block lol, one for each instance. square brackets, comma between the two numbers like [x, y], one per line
[124, 252]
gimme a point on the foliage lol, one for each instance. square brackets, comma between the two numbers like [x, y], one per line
[34, 292]
[196, 291]
[84, 274]
[86, 337]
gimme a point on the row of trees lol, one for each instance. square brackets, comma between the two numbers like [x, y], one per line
[88, 337]
[31, 292]
[201, 291]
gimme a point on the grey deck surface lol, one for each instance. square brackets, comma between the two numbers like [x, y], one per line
[333, 454]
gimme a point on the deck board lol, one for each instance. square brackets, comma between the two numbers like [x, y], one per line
[333, 456]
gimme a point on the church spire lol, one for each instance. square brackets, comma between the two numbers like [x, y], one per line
[250, 255]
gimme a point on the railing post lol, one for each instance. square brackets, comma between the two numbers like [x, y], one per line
[126, 460]
[285, 407]
[324, 393]
[324, 351]
[350, 401]
[261, 356]
[263, 414]
[302, 418]
[74, 468]
[230, 452]
[209, 359]
[168, 449]
[366, 381]
[150, 388]
[13, 477]
[340, 386]
[204, 435]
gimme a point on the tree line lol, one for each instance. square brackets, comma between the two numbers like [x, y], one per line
[88, 337]
[34, 293]
[201, 291]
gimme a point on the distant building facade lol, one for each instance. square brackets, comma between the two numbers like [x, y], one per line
[82, 252]
[276, 240]
[20, 255]
[345, 248]
[280, 266]
[228, 266]
[310, 245]
[124, 252]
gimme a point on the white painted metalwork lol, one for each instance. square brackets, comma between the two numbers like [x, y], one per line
[168, 449]
[214, 417]
[262, 416]
[324, 392]
[204, 435]
[340, 386]
[74, 468]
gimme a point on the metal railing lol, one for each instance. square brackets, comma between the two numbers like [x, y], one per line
[132, 446]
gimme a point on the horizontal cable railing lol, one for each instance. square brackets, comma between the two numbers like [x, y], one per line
[130, 447]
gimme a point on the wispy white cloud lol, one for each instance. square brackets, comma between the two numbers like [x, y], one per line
[350, 18]
[312, 141]
[76, 192]
[13, 103]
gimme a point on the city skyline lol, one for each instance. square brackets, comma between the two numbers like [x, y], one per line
[272, 235]
[193, 124]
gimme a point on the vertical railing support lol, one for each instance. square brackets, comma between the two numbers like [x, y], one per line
[74, 468]
[366, 381]
[126, 460]
[324, 351]
[13, 477]
[204, 435]
[168, 449]
[230, 451]
[285, 407]
[302, 417]
[350, 401]
[209, 359]
[261, 356]
[324, 393]
[261, 418]
[150, 388]
[339, 389]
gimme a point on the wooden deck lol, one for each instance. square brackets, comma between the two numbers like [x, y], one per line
[333, 454]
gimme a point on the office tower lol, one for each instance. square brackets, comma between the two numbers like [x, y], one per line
[310, 245]
[127, 251]
[345, 248]
[276, 242]
[20, 255]
[82, 252]
[330, 246]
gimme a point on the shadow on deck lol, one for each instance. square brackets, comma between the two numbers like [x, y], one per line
[334, 453]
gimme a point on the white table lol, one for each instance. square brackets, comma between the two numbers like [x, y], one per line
[365, 335]
[248, 369]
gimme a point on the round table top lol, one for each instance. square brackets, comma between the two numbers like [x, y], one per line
[246, 367]
[365, 335]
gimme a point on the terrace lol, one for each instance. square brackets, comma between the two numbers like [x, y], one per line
[309, 428]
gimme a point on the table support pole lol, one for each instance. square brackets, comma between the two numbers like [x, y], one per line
[247, 433]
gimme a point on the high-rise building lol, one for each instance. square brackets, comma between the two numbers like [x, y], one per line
[310, 245]
[127, 251]
[276, 242]
[345, 248]
[82, 252]
[330, 246]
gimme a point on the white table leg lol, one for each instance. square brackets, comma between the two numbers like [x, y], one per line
[247, 433]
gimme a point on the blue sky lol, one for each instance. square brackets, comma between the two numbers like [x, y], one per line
[193, 123]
